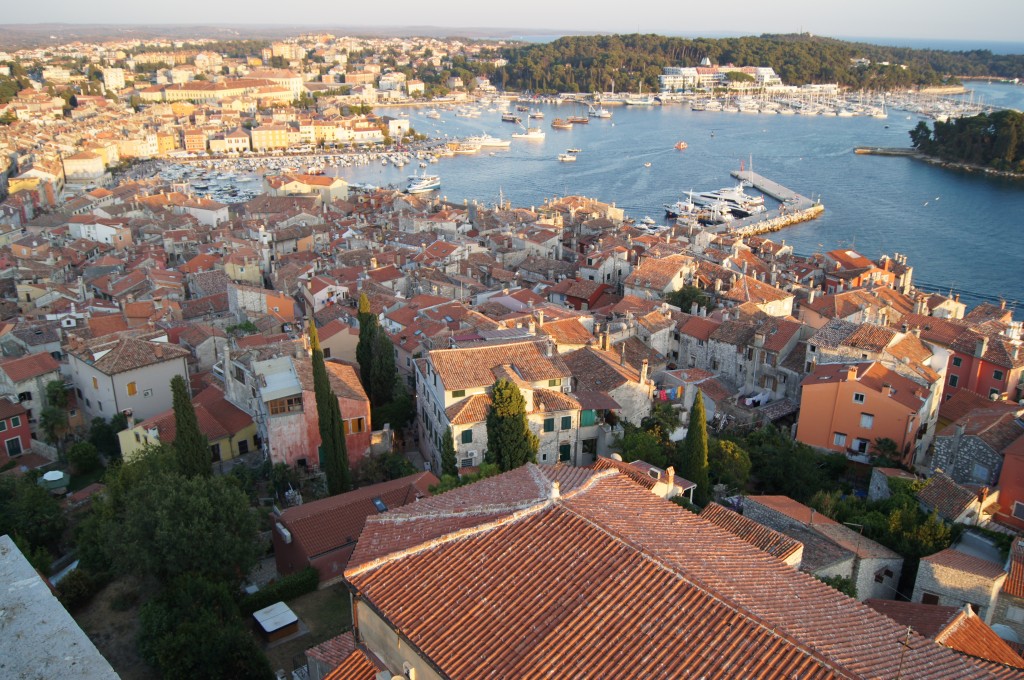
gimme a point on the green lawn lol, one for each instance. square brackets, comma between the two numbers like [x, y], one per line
[327, 613]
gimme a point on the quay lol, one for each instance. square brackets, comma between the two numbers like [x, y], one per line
[886, 151]
[795, 207]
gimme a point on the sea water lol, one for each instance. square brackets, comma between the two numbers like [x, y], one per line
[960, 231]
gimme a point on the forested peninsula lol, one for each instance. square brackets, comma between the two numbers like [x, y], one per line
[592, 63]
[994, 140]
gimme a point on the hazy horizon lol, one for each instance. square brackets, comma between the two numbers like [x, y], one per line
[986, 21]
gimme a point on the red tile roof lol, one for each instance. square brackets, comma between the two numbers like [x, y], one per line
[340, 652]
[946, 497]
[473, 366]
[951, 558]
[328, 524]
[29, 366]
[606, 580]
[757, 535]
[1014, 584]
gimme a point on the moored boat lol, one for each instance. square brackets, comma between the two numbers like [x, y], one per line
[561, 124]
[681, 145]
[422, 183]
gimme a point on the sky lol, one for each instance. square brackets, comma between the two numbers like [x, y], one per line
[968, 20]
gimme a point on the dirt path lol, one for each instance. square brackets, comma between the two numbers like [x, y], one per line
[114, 632]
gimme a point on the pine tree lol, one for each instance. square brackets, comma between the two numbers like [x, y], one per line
[333, 451]
[693, 462]
[449, 466]
[510, 443]
[368, 325]
[382, 368]
[190, 444]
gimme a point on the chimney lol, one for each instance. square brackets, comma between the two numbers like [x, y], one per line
[555, 490]
[981, 346]
[811, 295]
[549, 350]
[851, 373]
[532, 327]
[670, 472]
[904, 328]
[622, 357]
[158, 351]
[694, 308]
[540, 318]
[643, 371]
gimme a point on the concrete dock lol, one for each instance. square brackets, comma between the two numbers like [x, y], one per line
[795, 207]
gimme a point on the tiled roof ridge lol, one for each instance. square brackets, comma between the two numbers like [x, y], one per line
[519, 509]
[682, 574]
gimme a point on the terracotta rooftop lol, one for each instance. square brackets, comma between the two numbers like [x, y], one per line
[952, 627]
[473, 366]
[125, 353]
[349, 662]
[761, 537]
[678, 591]
[952, 558]
[946, 497]
[1014, 584]
[29, 366]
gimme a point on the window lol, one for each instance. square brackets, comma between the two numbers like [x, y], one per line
[994, 392]
[24, 396]
[214, 453]
[1018, 510]
[867, 421]
[997, 375]
[813, 348]
[285, 405]
[979, 473]
[860, 445]
[549, 424]
[3, 425]
[839, 439]
[458, 393]
[243, 447]
[954, 380]
[467, 436]
[588, 417]
[132, 389]
[13, 446]
[466, 462]
[957, 361]
[566, 423]
[750, 354]
[714, 364]
[858, 397]
[95, 383]
[1015, 614]
[138, 439]
[554, 382]
[327, 352]
[99, 405]
[147, 393]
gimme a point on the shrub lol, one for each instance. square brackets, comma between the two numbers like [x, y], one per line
[76, 589]
[282, 590]
[84, 457]
[124, 600]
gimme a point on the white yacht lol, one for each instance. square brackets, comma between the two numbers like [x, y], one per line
[422, 183]
[533, 134]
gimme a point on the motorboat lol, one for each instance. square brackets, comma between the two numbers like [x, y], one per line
[681, 145]
[567, 157]
[488, 141]
[422, 183]
[533, 134]
[561, 124]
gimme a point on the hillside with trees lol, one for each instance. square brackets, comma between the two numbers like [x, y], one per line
[591, 63]
[994, 140]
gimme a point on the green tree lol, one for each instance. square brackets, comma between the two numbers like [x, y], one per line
[728, 463]
[190, 443]
[193, 629]
[693, 452]
[510, 443]
[84, 457]
[843, 584]
[171, 525]
[53, 421]
[333, 448]
[647, 445]
[449, 464]
[686, 296]
[28, 511]
[382, 368]
[365, 347]
[103, 436]
[382, 467]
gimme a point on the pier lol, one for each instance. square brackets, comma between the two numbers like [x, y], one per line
[795, 207]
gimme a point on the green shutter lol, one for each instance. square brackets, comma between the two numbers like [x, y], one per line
[588, 418]
[549, 424]
[566, 422]
[467, 436]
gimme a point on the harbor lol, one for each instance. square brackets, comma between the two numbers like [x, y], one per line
[793, 208]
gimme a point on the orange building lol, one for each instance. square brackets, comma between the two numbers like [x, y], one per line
[846, 407]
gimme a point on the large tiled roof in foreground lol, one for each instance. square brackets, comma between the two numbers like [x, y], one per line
[603, 579]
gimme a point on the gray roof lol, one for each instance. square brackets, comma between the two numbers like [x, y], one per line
[40, 639]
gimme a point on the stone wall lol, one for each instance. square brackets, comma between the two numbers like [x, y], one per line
[957, 456]
[956, 588]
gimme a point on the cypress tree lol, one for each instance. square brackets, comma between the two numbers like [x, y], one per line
[510, 443]
[449, 466]
[190, 445]
[333, 451]
[694, 458]
[382, 367]
[367, 338]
